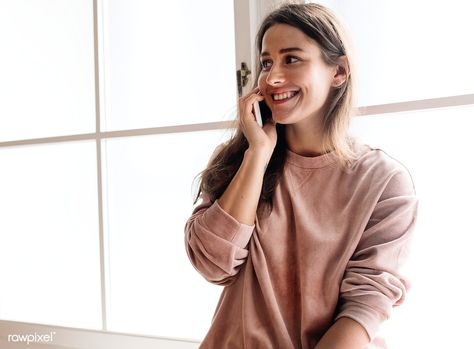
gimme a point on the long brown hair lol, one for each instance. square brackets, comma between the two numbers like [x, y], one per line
[320, 24]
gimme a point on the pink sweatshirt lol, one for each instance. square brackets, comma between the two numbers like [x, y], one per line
[332, 247]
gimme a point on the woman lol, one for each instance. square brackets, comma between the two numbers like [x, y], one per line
[304, 226]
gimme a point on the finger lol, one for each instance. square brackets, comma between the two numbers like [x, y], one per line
[256, 97]
[251, 101]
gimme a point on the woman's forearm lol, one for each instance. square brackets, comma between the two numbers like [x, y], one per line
[240, 199]
[345, 333]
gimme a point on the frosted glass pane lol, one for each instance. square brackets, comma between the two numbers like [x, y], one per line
[46, 68]
[436, 146]
[410, 50]
[168, 63]
[154, 289]
[49, 250]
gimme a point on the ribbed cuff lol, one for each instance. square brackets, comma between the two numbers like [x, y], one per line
[223, 224]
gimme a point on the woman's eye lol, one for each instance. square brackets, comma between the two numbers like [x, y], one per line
[288, 59]
[291, 57]
[263, 64]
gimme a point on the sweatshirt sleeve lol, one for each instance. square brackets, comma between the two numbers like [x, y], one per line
[216, 242]
[372, 283]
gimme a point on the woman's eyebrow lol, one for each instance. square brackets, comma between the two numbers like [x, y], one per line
[283, 50]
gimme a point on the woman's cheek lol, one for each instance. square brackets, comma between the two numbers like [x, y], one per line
[261, 81]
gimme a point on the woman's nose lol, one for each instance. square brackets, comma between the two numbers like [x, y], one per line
[275, 76]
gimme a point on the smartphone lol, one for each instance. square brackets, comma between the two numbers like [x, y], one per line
[262, 112]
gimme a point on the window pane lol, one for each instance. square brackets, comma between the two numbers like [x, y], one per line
[168, 65]
[436, 146]
[46, 68]
[49, 251]
[154, 288]
[410, 50]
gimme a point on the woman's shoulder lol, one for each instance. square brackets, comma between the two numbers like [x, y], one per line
[375, 159]
[376, 165]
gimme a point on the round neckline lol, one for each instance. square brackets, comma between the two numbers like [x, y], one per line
[310, 161]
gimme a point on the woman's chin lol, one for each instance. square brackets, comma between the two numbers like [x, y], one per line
[281, 119]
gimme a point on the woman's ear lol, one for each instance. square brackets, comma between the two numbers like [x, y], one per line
[342, 72]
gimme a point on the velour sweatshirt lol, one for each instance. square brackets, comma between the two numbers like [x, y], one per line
[332, 247]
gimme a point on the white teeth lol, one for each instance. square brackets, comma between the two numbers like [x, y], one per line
[286, 95]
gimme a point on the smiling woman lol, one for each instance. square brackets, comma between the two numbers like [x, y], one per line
[305, 226]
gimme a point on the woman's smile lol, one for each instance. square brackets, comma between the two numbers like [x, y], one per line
[283, 98]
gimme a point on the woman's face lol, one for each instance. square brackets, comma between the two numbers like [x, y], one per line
[292, 64]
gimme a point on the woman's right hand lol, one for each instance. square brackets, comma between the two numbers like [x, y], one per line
[259, 138]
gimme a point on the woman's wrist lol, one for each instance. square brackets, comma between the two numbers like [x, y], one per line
[259, 155]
